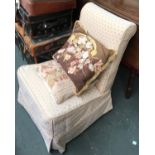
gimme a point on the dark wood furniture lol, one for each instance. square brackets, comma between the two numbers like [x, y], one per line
[39, 7]
[127, 9]
[35, 51]
[46, 26]
[42, 27]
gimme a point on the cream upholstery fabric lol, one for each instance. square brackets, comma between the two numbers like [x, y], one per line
[59, 123]
[112, 31]
[28, 78]
[54, 77]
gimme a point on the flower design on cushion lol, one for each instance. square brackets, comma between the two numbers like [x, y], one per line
[78, 55]
[98, 65]
[71, 49]
[72, 70]
[87, 61]
[89, 45]
[74, 62]
[91, 67]
[51, 72]
[82, 40]
[67, 57]
[61, 50]
[85, 54]
[82, 58]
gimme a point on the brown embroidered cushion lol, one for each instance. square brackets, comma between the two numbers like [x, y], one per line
[83, 58]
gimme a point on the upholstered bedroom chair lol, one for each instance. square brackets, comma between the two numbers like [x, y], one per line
[60, 123]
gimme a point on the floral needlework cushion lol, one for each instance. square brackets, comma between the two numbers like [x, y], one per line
[83, 58]
[55, 78]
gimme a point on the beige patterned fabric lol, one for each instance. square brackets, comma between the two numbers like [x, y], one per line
[112, 31]
[51, 74]
[60, 123]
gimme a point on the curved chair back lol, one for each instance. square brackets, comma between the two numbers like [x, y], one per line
[110, 30]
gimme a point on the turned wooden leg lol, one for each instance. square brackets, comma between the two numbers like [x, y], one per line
[130, 84]
[35, 59]
[34, 56]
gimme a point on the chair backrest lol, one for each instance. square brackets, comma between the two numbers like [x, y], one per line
[110, 30]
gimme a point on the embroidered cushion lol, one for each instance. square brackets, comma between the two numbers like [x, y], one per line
[83, 58]
[56, 80]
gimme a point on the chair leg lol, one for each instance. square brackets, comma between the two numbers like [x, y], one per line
[130, 84]
[35, 59]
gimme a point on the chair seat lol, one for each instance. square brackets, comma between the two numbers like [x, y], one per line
[59, 121]
[30, 80]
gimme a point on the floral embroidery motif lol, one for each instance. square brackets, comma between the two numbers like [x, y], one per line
[51, 72]
[79, 53]
[83, 58]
